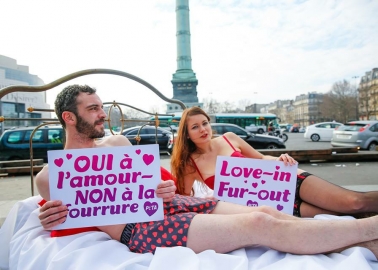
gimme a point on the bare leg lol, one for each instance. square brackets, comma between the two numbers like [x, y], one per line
[308, 210]
[224, 233]
[323, 197]
[225, 208]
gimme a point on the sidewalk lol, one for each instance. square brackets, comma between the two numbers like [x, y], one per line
[352, 175]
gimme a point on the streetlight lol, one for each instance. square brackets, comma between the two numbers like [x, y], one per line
[355, 86]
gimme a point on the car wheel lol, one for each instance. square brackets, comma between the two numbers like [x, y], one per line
[260, 131]
[315, 137]
[285, 137]
[271, 146]
[372, 146]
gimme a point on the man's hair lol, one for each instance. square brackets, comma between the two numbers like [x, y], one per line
[67, 100]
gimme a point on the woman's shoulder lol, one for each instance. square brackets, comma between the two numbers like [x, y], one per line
[231, 135]
[231, 138]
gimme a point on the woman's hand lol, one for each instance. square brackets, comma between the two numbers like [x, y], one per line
[288, 160]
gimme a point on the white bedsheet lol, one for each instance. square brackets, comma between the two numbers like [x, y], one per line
[25, 245]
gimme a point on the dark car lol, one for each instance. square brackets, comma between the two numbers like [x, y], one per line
[150, 135]
[14, 143]
[257, 141]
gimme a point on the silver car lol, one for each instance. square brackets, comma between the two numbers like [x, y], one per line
[363, 134]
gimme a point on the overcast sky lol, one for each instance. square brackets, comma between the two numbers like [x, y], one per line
[259, 51]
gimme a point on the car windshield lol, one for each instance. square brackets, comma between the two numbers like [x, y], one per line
[351, 127]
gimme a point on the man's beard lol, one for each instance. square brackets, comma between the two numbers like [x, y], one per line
[88, 129]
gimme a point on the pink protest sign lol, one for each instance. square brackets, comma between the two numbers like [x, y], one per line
[105, 186]
[256, 182]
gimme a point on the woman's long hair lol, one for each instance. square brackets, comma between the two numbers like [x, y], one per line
[181, 163]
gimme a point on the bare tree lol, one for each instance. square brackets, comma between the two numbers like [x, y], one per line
[211, 105]
[368, 96]
[340, 103]
[242, 104]
[326, 109]
[364, 102]
[227, 107]
[154, 109]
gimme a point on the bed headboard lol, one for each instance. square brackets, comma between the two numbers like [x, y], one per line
[49, 121]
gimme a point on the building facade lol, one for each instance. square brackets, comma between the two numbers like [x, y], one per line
[15, 105]
[368, 96]
[307, 109]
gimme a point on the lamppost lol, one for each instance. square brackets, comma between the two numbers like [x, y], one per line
[357, 103]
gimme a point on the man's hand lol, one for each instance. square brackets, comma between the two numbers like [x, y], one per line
[166, 190]
[52, 213]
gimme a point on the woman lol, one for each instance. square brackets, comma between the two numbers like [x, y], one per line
[194, 158]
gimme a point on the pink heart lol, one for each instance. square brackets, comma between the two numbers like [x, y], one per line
[69, 156]
[277, 167]
[252, 203]
[137, 151]
[263, 182]
[150, 208]
[148, 159]
[58, 162]
[254, 185]
[279, 207]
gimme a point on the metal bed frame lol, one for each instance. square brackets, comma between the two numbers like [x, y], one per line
[49, 121]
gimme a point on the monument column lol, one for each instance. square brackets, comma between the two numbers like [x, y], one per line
[184, 80]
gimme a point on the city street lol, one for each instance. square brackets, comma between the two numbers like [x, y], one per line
[359, 176]
[354, 175]
[297, 141]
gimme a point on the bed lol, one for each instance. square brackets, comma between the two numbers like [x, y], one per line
[26, 245]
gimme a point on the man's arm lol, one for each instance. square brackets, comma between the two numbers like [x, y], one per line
[53, 213]
[166, 190]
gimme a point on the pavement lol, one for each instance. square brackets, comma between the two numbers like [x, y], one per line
[359, 176]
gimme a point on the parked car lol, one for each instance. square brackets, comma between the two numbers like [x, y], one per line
[256, 129]
[150, 135]
[14, 143]
[294, 129]
[285, 127]
[257, 141]
[321, 131]
[363, 134]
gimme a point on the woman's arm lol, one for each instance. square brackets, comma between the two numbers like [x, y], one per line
[250, 152]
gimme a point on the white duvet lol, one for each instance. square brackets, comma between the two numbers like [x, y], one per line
[25, 245]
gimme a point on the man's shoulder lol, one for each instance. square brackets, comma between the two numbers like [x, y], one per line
[114, 140]
[42, 174]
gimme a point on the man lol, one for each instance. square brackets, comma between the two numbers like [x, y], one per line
[199, 224]
[81, 114]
